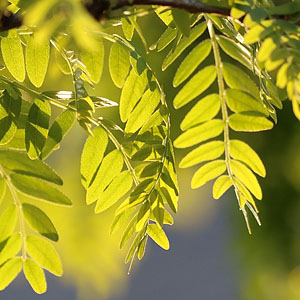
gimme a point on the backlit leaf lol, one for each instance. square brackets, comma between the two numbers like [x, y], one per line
[37, 59]
[39, 189]
[166, 38]
[199, 133]
[35, 276]
[119, 64]
[8, 220]
[39, 221]
[18, 162]
[131, 93]
[247, 177]
[9, 271]
[117, 189]
[249, 123]
[200, 82]
[208, 172]
[10, 247]
[93, 60]
[158, 236]
[110, 168]
[191, 62]
[37, 127]
[13, 56]
[243, 152]
[92, 155]
[182, 20]
[208, 151]
[204, 110]
[57, 131]
[221, 185]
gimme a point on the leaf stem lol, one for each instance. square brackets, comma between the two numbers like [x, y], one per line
[222, 95]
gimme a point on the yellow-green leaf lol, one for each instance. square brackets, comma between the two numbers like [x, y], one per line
[208, 172]
[9, 271]
[35, 276]
[199, 133]
[93, 60]
[119, 64]
[143, 111]
[246, 177]
[37, 59]
[117, 189]
[92, 155]
[243, 152]
[204, 110]
[13, 56]
[39, 189]
[36, 130]
[110, 168]
[8, 221]
[208, 151]
[249, 123]
[191, 62]
[221, 185]
[44, 254]
[132, 91]
[39, 221]
[200, 82]
[158, 236]
[10, 247]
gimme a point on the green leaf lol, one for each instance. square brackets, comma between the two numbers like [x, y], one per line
[117, 189]
[134, 246]
[119, 64]
[57, 131]
[10, 109]
[37, 59]
[243, 152]
[8, 220]
[13, 56]
[2, 190]
[158, 209]
[221, 185]
[164, 192]
[93, 59]
[246, 177]
[120, 220]
[236, 51]
[36, 130]
[10, 247]
[127, 27]
[183, 44]
[249, 123]
[44, 254]
[182, 20]
[204, 110]
[92, 155]
[39, 221]
[142, 247]
[200, 133]
[236, 78]
[191, 62]
[9, 271]
[158, 236]
[239, 101]
[200, 82]
[143, 111]
[164, 14]
[38, 189]
[129, 231]
[110, 168]
[18, 162]
[35, 276]
[143, 216]
[208, 151]
[208, 172]
[131, 93]
[165, 39]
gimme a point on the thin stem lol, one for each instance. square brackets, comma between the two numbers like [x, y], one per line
[18, 205]
[222, 95]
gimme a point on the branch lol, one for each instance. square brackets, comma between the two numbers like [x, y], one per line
[100, 9]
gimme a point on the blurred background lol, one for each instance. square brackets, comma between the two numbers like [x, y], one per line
[212, 256]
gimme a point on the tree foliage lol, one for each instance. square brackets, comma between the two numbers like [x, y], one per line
[234, 72]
